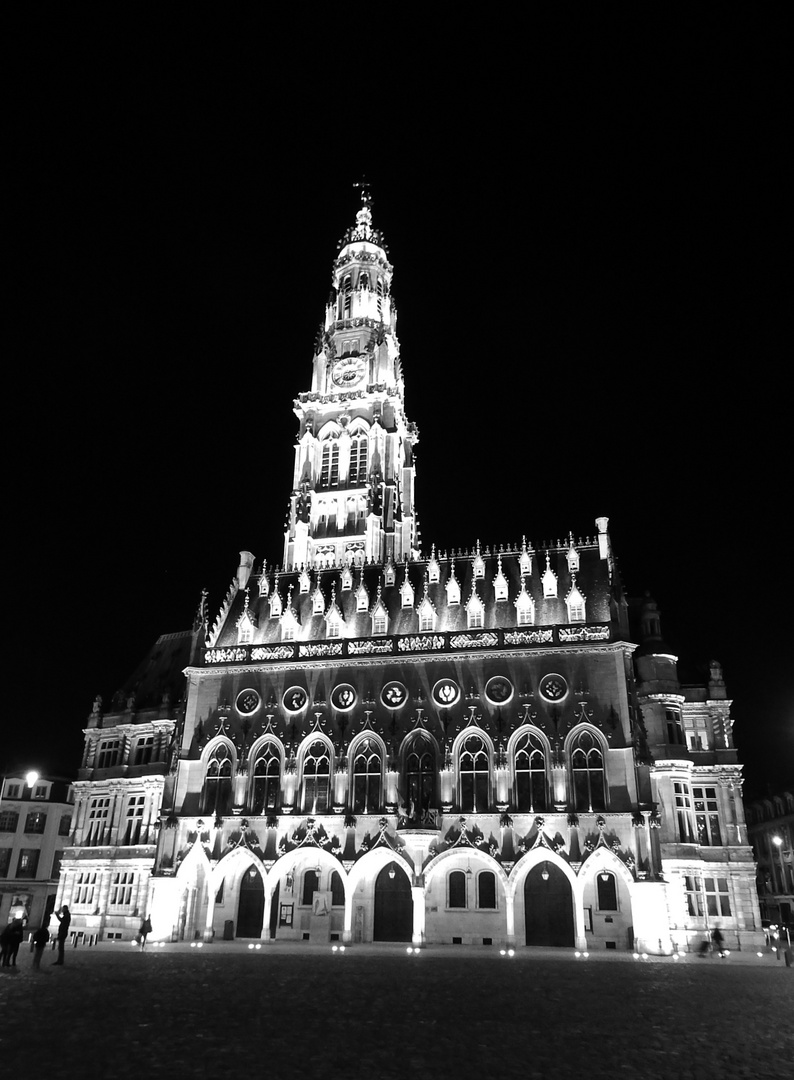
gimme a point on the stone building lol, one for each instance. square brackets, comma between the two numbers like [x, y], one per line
[384, 742]
[770, 823]
[35, 823]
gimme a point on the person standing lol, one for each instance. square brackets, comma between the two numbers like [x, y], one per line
[145, 930]
[64, 919]
[40, 939]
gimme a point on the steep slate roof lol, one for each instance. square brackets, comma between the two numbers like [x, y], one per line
[592, 578]
[159, 672]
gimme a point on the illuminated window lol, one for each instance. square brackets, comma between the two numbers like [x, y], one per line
[134, 821]
[420, 777]
[486, 889]
[475, 616]
[359, 451]
[525, 608]
[530, 768]
[28, 863]
[453, 590]
[98, 825]
[318, 601]
[500, 584]
[109, 753]
[456, 884]
[675, 734]
[334, 626]
[144, 750]
[267, 780]
[35, 822]
[607, 891]
[304, 580]
[683, 812]
[575, 604]
[40, 792]
[707, 818]
[427, 617]
[697, 733]
[549, 580]
[121, 888]
[587, 773]
[367, 778]
[316, 778]
[473, 770]
[218, 781]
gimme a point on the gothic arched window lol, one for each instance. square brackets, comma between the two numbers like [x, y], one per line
[267, 780]
[529, 759]
[607, 890]
[316, 778]
[367, 778]
[329, 468]
[218, 781]
[359, 451]
[473, 770]
[587, 773]
[420, 777]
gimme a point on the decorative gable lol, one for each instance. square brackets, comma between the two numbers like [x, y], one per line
[525, 559]
[575, 602]
[478, 563]
[475, 609]
[347, 579]
[318, 601]
[500, 583]
[525, 606]
[433, 568]
[453, 588]
[380, 616]
[304, 581]
[572, 557]
[407, 592]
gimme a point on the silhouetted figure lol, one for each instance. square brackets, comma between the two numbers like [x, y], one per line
[718, 941]
[40, 939]
[145, 930]
[11, 939]
[64, 918]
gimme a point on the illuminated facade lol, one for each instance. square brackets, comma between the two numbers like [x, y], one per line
[770, 824]
[486, 745]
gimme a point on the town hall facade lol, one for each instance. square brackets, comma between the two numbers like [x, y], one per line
[375, 741]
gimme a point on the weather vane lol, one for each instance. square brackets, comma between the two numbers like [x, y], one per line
[363, 183]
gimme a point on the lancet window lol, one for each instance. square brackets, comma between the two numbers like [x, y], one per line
[359, 452]
[473, 771]
[529, 760]
[420, 777]
[587, 772]
[367, 771]
[218, 781]
[266, 780]
[316, 778]
[329, 469]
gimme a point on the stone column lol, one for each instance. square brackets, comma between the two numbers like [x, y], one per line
[265, 934]
[211, 911]
[418, 897]
[510, 920]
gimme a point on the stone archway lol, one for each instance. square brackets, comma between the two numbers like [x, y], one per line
[251, 905]
[394, 909]
[548, 907]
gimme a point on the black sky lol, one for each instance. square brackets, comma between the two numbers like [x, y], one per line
[590, 288]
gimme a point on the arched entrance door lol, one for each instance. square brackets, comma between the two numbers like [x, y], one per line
[251, 908]
[394, 909]
[548, 907]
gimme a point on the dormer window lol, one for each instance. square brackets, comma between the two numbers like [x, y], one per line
[453, 590]
[478, 566]
[276, 605]
[573, 559]
[380, 622]
[389, 573]
[245, 632]
[525, 561]
[362, 598]
[433, 569]
[500, 584]
[549, 580]
[289, 626]
[575, 604]
[475, 611]
[334, 626]
[347, 579]
[318, 601]
[407, 593]
[427, 617]
[304, 581]
[525, 608]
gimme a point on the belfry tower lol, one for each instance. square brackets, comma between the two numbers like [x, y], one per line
[353, 488]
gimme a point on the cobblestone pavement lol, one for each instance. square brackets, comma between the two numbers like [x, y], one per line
[379, 1013]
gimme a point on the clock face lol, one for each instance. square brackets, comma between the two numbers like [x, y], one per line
[349, 371]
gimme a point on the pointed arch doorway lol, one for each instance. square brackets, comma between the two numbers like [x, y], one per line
[394, 908]
[548, 907]
[251, 906]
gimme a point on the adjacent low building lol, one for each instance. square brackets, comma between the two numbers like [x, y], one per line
[770, 824]
[36, 815]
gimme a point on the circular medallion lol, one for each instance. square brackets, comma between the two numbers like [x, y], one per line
[295, 699]
[393, 695]
[553, 688]
[343, 697]
[248, 701]
[446, 693]
[499, 690]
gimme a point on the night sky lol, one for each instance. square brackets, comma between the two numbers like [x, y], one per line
[590, 311]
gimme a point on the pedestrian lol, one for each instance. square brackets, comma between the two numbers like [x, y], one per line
[10, 940]
[718, 941]
[145, 930]
[40, 939]
[64, 919]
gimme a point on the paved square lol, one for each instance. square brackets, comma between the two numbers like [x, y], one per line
[375, 1011]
